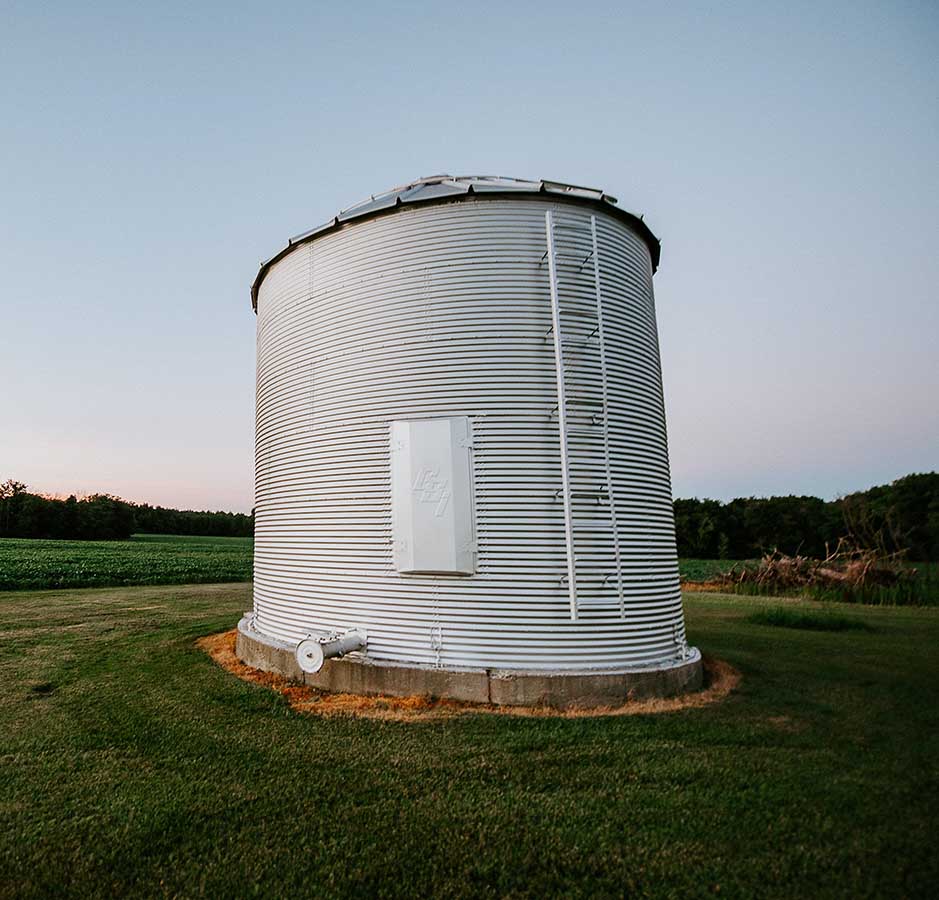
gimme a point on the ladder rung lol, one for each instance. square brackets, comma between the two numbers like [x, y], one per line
[589, 404]
[578, 257]
[560, 256]
[590, 337]
[573, 342]
[593, 525]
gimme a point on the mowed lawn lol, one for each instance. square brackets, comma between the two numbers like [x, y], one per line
[27, 564]
[131, 765]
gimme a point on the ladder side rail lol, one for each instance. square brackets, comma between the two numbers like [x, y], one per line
[562, 414]
[606, 413]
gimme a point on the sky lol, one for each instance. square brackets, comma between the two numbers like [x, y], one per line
[787, 154]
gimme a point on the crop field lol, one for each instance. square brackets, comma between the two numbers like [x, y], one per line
[704, 569]
[130, 764]
[145, 559]
[165, 559]
[180, 559]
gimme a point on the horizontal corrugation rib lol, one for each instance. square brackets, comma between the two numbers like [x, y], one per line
[444, 311]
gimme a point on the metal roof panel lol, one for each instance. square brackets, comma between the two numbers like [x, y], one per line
[440, 188]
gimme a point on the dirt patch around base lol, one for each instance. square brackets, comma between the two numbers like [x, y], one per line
[707, 587]
[720, 679]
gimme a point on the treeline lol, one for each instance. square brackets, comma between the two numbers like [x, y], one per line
[102, 517]
[903, 515]
[160, 520]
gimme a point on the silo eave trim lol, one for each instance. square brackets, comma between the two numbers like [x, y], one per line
[445, 189]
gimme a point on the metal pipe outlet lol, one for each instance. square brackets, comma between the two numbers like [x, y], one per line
[314, 651]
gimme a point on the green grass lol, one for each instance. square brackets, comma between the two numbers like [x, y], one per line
[786, 617]
[145, 559]
[131, 765]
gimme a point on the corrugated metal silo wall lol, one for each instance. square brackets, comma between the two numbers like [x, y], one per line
[445, 310]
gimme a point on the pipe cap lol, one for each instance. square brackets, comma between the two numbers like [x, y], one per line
[310, 656]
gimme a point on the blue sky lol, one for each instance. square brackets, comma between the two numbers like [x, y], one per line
[785, 153]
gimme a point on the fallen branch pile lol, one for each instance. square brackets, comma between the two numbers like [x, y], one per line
[847, 567]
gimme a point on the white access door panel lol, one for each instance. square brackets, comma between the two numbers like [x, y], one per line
[431, 496]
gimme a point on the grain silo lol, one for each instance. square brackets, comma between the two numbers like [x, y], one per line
[462, 469]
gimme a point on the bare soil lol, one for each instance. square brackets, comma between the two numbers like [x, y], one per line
[707, 587]
[720, 680]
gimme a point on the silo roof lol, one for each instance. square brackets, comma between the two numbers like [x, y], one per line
[445, 188]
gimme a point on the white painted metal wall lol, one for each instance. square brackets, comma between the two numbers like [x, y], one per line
[445, 310]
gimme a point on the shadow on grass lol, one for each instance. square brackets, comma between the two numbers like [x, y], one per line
[780, 617]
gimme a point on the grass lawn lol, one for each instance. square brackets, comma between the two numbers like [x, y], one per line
[145, 559]
[131, 764]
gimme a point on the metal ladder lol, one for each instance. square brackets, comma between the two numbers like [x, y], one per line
[582, 409]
